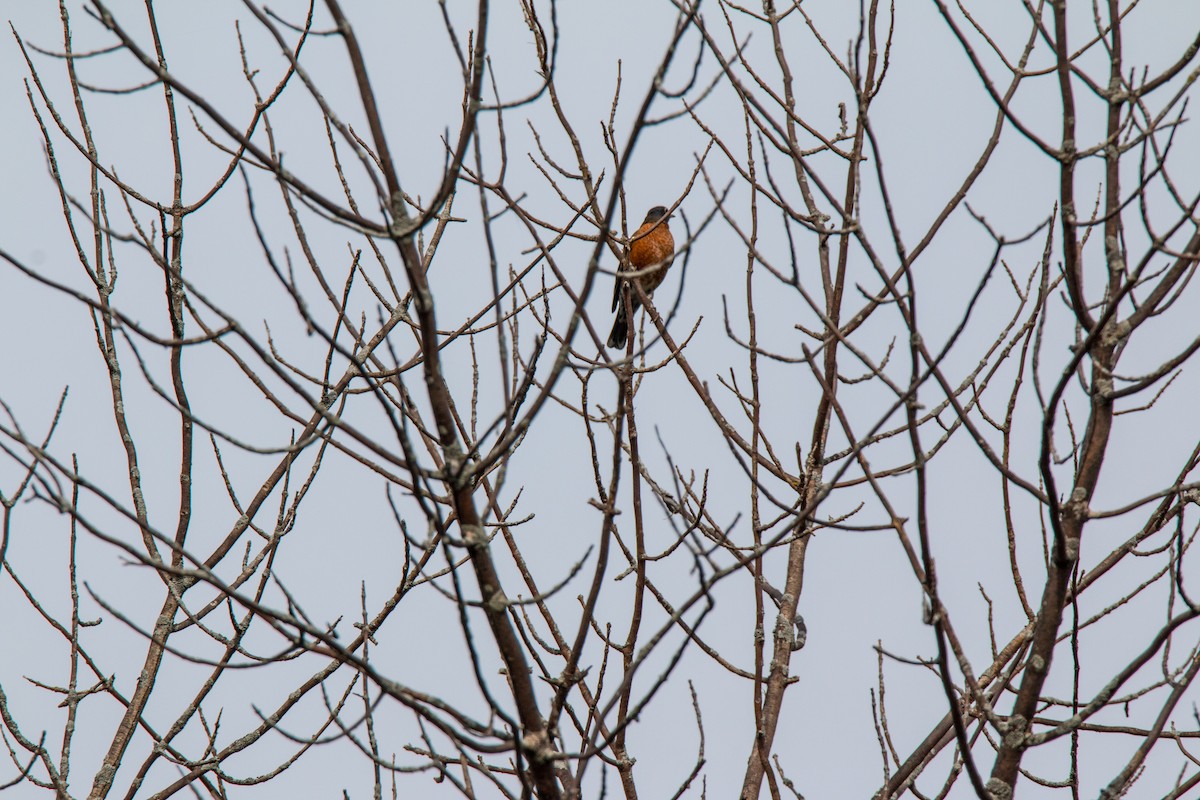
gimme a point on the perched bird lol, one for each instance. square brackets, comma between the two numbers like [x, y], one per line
[651, 251]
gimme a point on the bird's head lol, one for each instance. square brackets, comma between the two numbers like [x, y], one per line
[655, 214]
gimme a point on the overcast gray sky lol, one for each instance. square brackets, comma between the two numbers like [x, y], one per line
[931, 122]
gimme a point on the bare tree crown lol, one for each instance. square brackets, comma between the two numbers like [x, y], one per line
[318, 470]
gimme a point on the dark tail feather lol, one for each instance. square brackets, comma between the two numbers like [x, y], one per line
[620, 329]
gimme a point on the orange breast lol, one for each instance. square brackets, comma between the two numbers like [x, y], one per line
[656, 247]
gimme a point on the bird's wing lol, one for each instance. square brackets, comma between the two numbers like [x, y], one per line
[618, 282]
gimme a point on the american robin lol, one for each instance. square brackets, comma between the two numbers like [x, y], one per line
[651, 251]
